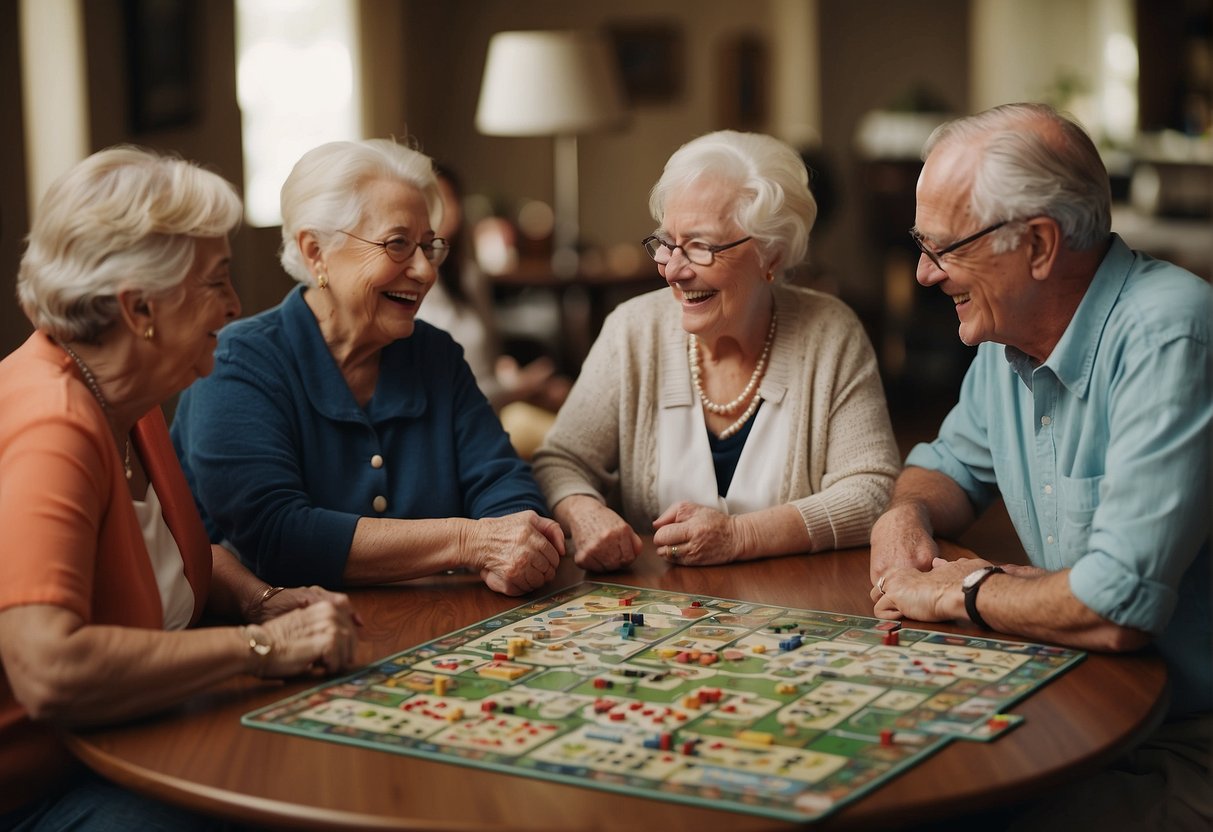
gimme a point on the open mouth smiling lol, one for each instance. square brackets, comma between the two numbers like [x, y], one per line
[409, 299]
[692, 297]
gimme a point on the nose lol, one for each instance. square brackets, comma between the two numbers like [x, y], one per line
[420, 268]
[927, 273]
[678, 267]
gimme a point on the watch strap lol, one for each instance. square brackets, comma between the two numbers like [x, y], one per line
[970, 593]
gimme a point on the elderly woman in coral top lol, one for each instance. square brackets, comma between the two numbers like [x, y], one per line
[737, 417]
[106, 562]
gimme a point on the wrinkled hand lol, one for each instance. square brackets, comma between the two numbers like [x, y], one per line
[293, 598]
[900, 539]
[603, 541]
[516, 553]
[322, 634]
[934, 595]
[701, 535]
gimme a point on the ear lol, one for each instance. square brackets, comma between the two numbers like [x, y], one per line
[134, 311]
[773, 268]
[313, 255]
[1044, 246]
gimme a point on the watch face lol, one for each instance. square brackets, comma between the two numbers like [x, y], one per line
[975, 576]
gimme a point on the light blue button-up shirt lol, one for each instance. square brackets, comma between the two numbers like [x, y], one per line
[1102, 455]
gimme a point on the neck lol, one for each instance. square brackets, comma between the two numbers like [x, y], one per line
[1068, 285]
[744, 348]
[120, 387]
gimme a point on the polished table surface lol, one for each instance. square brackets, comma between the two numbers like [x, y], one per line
[199, 755]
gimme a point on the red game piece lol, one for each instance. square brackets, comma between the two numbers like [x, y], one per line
[886, 737]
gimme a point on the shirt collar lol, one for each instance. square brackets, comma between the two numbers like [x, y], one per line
[1074, 356]
[396, 392]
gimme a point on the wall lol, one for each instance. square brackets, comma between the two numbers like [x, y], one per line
[445, 44]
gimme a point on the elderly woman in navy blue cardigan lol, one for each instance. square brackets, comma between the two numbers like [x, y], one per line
[340, 441]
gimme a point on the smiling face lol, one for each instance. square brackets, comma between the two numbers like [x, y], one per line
[728, 298]
[188, 318]
[994, 293]
[374, 298]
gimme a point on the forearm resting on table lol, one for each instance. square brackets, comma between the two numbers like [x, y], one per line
[1043, 608]
[769, 532]
[74, 674]
[235, 591]
[385, 550]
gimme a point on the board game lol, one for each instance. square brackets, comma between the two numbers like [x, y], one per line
[779, 712]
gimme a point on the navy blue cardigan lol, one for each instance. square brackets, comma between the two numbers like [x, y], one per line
[283, 461]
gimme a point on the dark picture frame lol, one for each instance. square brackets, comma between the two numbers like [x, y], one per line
[650, 57]
[160, 63]
[744, 83]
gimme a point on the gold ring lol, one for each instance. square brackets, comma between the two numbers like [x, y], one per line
[673, 551]
[880, 585]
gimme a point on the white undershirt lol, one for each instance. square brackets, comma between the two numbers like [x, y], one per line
[685, 470]
[176, 594]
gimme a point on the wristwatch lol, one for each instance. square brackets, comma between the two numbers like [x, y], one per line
[970, 585]
[259, 644]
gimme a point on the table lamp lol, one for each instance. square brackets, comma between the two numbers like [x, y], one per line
[552, 83]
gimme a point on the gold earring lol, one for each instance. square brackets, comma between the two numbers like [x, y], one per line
[149, 333]
[770, 277]
[323, 280]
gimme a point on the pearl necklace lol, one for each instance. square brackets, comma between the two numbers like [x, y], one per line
[95, 389]
[755, 377]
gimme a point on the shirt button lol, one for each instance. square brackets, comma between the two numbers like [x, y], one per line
[379, 503]
[1048, 489]
[1049, 539]
[1046, 420]
[376, 461]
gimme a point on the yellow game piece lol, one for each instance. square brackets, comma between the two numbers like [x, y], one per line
[440, 683]
[755, 737]
[667, 652]
[759, 648]
[691, 703]
[785, 687]
[454, 715]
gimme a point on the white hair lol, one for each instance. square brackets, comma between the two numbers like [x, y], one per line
[323, 193]
[124, 218]
[1034, 162]
[773, 204]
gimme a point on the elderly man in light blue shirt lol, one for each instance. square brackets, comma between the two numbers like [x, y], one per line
[1088, 407]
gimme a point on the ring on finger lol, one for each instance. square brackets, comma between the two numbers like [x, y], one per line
[673, 551]
[880, 585]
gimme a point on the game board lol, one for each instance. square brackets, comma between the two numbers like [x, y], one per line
[779, 712]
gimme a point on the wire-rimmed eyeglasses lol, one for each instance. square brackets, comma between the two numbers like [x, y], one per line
[697, 251]
[937, 256]
[400, 249]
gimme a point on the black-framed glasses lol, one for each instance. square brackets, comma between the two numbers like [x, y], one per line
[937, 256]
[698, 252]
[400, 249]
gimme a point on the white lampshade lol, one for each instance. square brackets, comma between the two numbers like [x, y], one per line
[548, 83]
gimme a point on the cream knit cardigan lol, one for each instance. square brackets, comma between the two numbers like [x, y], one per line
[844, 458]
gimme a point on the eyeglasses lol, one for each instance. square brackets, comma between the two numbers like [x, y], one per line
[698, 252]
[937, 256]
[400, 249]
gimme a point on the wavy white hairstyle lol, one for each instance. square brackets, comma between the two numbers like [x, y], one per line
[1034, 162]
[773, 205]
[124, 218]
[323, 193]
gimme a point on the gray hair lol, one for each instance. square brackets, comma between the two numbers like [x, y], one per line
[124, 218]
[774, 204]
[1034, 162]
[323, 194]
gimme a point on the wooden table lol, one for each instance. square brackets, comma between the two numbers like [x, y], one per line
[198, 755]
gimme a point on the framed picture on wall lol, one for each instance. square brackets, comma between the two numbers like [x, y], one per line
[160, 63]
[650, 60]
[744, 83]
